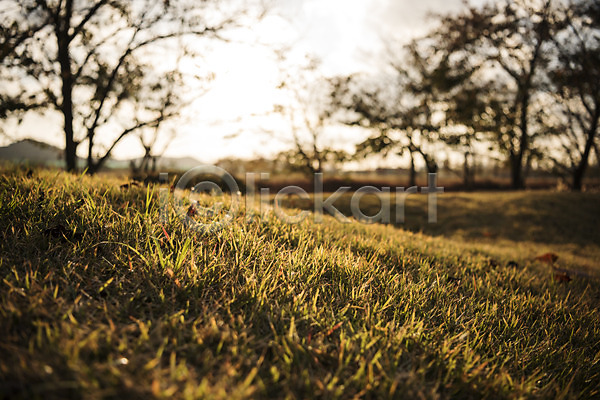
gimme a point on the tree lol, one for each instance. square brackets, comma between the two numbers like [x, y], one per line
[404, 109]
[576, 79]
[507, 40]
[97, 64]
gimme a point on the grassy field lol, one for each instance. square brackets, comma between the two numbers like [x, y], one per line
[99, 299]
[532, 222]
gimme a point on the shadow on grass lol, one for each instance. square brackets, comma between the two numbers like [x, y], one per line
[542, 217]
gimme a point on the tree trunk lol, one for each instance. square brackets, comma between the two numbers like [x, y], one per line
[518, 181]
[579, 172]
[431, 165]
[90, 157]
[66, 107]
[412, 180]
[597, 156]
[516, 172]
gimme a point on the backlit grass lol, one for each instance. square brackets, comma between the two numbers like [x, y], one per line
[99, 299]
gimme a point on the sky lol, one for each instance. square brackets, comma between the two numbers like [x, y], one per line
[230, 119]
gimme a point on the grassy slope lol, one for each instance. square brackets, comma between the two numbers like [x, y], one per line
[532, 222]
[96, 301]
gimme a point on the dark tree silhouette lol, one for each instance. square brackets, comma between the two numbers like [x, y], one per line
[576, 77]
[106, 65]
[403, 108]
[508, 40]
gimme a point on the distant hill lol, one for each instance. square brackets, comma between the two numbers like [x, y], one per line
[33, 152]
[182, 163]
[39, 153]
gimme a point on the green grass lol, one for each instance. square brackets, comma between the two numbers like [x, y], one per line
[99, 300]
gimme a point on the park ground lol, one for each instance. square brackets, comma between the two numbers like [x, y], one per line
[102, 298]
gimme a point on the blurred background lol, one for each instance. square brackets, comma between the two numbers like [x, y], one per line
[498, 94]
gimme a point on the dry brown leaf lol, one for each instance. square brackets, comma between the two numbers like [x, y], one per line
[562, 277]
[548, 258]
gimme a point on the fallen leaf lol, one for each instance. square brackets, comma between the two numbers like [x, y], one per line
[562, 277]
[548, 258]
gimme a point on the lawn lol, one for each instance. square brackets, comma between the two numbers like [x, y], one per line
[534, 222]
[101, 298]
